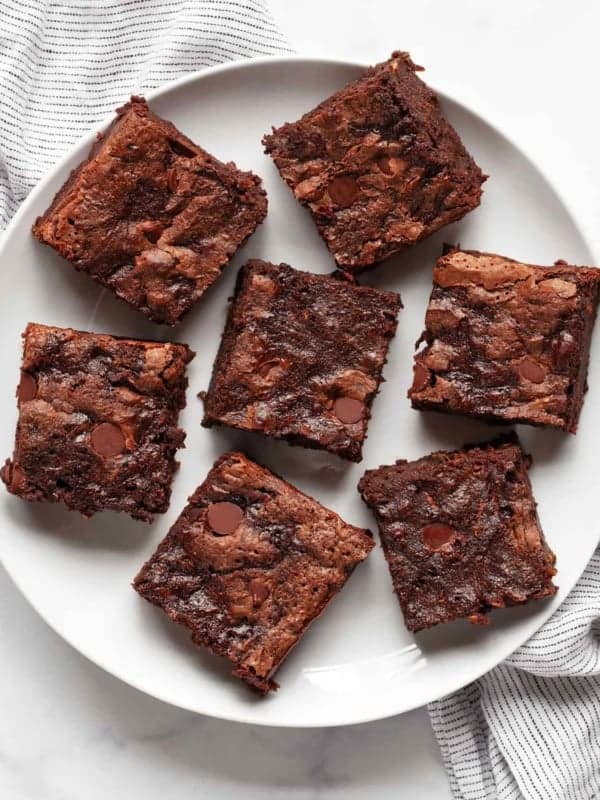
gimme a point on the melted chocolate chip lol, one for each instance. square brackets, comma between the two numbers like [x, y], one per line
[343, 191]
[384, 165]
[27, 388]
[348, 410]
[259, 591]
[18, 478]
[420, 378]
[172, 179]
[151, 229]
[437, 535]
[239, 611]
[180, 149]
[107, 439]
[563, 348]
[224, 517]
[531, 370]
[390, 166]
[158, 260]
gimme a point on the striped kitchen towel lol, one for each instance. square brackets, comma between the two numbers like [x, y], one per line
[531, 727]
[65, 65]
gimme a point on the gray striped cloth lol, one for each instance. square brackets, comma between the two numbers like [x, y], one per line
[65, 65]
[531, 727]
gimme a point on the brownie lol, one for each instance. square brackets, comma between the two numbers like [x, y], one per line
[151, 215]
[249, 564]
[97, 425]
[301, 358]
[460, 532]
[377, 164]
[506, 341]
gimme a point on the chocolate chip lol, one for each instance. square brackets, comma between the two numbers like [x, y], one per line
[180, 149]
[390, 166]
[437, 320]
[18, 478]
[172, 179]
[259, 591]
[384, 165]
[343, 191]
[348, 410]
[27, 388]
[437, 535]
[158, 260]
[531, 370]
[238, 612]
[107, 439]
[151, 229]
[271, 369]
[420, 378]
[563, 347]
[224, 517]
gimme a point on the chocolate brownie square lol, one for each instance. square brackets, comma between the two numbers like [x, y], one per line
[248, 566]
[460, 532]
[301, 358]
[377, 164]
[151, 215]
[506, 341]
[97, 424]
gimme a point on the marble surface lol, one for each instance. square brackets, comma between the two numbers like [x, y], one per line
[68, 730]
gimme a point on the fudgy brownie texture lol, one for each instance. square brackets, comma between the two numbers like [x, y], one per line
[151, 215]
[460, 533]
[377, 164]
[301, 357]
[249, 564]
[506, 341]
[97, 424]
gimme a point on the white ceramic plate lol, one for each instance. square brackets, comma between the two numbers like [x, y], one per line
[358, 662]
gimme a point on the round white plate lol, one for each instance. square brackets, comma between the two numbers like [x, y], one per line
[358, 662]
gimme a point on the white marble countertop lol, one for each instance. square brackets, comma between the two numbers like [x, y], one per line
[67, 729]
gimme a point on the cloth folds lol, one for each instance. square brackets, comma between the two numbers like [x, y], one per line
[66, 65]
[531, 727]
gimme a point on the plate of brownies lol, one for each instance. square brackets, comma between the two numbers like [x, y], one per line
[302, 432]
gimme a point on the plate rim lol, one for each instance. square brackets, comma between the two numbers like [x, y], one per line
[87, 139]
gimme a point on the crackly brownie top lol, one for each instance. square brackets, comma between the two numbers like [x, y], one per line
[301, 357]
[377, 164]
[460, 532]
[97, 421]
[507, 340]
[249, 564]
[152, 215]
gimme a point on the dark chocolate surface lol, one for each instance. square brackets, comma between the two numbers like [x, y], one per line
[460, 533]
[301, 357]
[151, 215]
[97, 425]
[377, 164]
[248, 566]
[506, 341]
